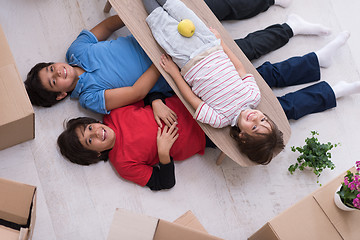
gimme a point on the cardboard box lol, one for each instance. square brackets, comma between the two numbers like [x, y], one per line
[127, 225]
[17, 210]
[17, 115]
[314, 217]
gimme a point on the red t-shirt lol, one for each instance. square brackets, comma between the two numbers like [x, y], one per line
[135, 149]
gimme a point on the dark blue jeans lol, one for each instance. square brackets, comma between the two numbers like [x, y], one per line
[294, 71]
[258, 43]
[238, 9]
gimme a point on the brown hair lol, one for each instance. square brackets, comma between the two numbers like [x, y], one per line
[259, 148]
[72, 149]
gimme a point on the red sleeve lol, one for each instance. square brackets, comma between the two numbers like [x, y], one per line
[133, 170]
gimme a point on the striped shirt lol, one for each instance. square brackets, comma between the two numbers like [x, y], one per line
[224, 93]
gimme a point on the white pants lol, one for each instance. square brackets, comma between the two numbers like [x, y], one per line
[163, 23]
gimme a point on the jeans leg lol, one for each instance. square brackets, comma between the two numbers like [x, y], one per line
[313, 99]
[209, 143]
[150, 5]
[243, 9]
[261, 42]
[220, 8]
[294, 71]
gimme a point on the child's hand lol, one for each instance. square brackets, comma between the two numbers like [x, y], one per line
[215, 32]
[166, 139]
[163, 112]
[168, 64]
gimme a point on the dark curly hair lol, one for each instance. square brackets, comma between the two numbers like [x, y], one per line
[259, 148]
[72, 149]
[38, 95]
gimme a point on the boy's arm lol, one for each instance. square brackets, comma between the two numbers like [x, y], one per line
[105, 28]
[171, 68]
[233, 58]
[119, 97]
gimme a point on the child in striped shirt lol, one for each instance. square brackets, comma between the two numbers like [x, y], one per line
[223, 93]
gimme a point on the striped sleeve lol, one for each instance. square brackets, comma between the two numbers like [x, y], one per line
[205, 114]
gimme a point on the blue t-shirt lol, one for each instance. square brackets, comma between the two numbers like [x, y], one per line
[108, 65]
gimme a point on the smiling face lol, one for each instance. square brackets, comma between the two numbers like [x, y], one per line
[96, 137]
[58, 77]
[253, 122]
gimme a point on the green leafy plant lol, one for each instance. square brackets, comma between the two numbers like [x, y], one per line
[314, 155]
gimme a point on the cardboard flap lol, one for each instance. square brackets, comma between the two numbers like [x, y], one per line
[24, 234]
[33, 217]
[305, 220]
[170, 231]
[189, 220]
[133, 14]
[128, 225]
[15, 201]
[8, 233]
[266, 232]
[346, 223]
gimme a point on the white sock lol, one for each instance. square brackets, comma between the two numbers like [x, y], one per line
[325, 55]
[282, 3]
[301, 27]
[342, 88]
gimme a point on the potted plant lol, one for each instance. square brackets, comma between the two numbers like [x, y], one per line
[349, 191]
[313, 155]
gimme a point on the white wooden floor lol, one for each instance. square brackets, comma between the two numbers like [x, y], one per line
[76, 202]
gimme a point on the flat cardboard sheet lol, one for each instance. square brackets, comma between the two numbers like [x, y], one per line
[133, 14]
[128, 225]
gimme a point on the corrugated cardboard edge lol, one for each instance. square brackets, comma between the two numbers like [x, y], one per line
[30, 230]
[133, 14]
[27, 233]
[128, 225]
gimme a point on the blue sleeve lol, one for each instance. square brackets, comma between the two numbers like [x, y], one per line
[95, 101]
[85, 39]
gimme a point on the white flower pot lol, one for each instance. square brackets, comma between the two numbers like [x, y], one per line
[339, 203]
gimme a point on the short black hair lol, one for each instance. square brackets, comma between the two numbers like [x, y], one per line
[38, 95]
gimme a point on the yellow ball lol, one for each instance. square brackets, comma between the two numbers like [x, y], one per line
[186, 28]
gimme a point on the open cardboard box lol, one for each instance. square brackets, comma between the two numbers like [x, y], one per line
[314, 217]
[127, 225]
[17, 114]
[17, 210]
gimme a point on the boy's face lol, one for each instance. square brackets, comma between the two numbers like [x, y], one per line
[253, 121]
[58, 77]
[96, 137]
